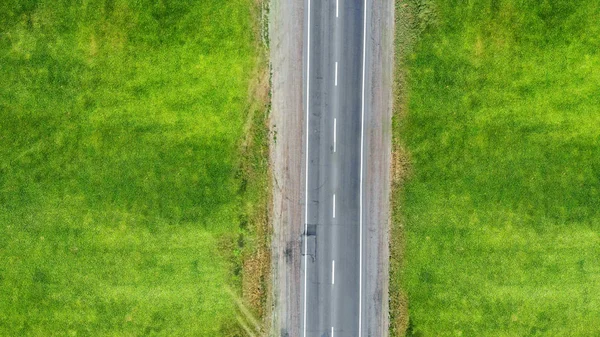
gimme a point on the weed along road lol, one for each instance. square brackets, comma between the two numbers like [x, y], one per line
[334, 77]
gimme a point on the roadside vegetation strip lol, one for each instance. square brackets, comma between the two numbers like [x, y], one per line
[133, 167]
[411, 19]
[501, 210]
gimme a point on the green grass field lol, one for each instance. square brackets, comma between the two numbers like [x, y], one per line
[126, 188]
[501, 208]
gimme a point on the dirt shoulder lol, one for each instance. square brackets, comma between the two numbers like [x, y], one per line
[287, 122]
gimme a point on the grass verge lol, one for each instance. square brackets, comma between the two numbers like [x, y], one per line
[499, 218]
[133, 168]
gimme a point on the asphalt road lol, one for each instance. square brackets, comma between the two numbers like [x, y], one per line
[335, 112]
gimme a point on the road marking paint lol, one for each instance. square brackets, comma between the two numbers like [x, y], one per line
[331, 331]
[332, 271]
[334, 135]
[362, 130]
[336, 74]
[306, 168]
[334, 205]
[336, 8]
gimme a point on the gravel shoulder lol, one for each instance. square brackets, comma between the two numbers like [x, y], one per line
[378, 142]
[286, 27]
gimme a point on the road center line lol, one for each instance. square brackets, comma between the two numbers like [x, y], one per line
[336, 74]
[334, 134]
[332, 271]
[336, 8]
[334, 205]
[306, 167]
[331, 331]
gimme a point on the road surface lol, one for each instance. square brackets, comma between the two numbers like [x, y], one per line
[333, 272]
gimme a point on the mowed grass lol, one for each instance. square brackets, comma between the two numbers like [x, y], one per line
[121, 179]
[502, 206]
